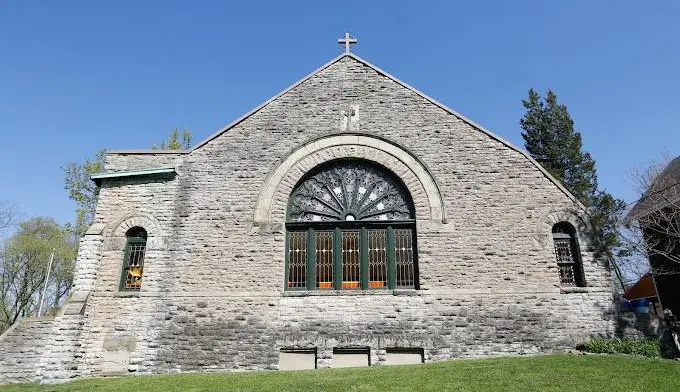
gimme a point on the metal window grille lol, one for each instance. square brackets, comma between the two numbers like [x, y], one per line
[377, 258]
[565, 261]
[134, 266]
[351, 278]
[324, 259]
[403, 252]
[297, 259]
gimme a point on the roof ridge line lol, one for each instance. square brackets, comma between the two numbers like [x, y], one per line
[401, 83]
[267, 102]
[475, 125]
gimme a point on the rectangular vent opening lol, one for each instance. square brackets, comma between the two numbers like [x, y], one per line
[404, 355]
[297, 358]
[351, 357]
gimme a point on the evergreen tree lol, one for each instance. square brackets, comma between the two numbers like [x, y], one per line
[550, 138]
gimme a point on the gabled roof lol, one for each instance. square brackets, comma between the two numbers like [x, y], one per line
[665, 191]
[399, 82]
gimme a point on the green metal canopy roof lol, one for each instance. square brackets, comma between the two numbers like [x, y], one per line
[98, 177]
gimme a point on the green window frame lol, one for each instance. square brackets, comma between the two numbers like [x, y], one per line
[346, 256]
[133, 260]
[350, 226]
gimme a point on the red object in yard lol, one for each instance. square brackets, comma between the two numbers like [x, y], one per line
[643, 288]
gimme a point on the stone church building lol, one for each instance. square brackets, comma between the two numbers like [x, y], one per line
[348, 221]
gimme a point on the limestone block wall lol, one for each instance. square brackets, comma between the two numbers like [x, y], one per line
[121, 161]
[213, 295]
[213, 299]
[21, 348]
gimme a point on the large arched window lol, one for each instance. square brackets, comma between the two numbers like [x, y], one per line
[133, 259]
[350, 225]
[567, 254]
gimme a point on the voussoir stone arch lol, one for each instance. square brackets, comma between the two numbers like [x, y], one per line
[583, 229]
[117, 230]
[424, 191]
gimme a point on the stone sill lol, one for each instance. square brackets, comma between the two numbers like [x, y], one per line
[348, 293]
[575, 289]
[127, 294]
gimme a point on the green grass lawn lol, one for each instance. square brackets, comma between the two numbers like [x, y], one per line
[593, 373]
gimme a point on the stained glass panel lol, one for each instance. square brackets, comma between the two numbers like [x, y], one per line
[350, 260]
[377, 258]
[324, 259]
[403, 251]
[297, 259]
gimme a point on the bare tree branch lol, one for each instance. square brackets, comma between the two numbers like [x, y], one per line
[652, 229]
[8, 215]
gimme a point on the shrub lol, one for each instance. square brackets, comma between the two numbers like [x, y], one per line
[642, 347]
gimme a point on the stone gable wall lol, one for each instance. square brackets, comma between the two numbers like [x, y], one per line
[213, 298]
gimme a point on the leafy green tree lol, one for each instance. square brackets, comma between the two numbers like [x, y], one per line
[83, 191]
[23, 267]
[550, 138]
[174, 142]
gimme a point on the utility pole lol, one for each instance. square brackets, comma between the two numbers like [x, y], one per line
[47, 278]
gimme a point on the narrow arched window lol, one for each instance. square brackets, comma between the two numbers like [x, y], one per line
[350, 225]
[567, 254]
[133, 259]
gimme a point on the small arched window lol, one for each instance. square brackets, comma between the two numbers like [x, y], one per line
[568, 254]
[133, 259]
[351, 225]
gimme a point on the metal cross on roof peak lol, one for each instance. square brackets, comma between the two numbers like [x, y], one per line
[347, 41]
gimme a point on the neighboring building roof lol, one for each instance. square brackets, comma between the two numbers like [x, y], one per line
[665, 190]
[643, 288]
[98, 177]
[380, 71]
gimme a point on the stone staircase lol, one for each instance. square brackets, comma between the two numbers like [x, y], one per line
[44, 349]
[21, 348]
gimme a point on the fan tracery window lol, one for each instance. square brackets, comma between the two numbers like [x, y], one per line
[350, 191]
[350, 226]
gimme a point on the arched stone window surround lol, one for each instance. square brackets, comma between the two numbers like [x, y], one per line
[583, 229]
[273, 198]
[115, 237]
[116, 231]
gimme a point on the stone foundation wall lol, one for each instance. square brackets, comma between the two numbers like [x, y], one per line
[222, 333]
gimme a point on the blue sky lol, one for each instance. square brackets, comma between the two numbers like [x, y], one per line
[76, 76]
